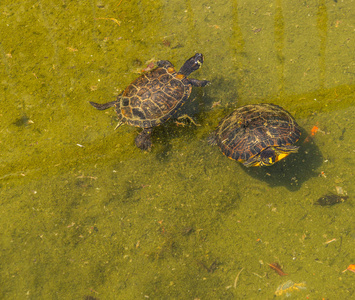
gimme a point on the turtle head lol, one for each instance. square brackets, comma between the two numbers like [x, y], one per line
[192, 64]
[267, 157]
[273, 154]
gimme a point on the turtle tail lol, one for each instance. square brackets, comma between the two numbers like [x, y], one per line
[103, 106]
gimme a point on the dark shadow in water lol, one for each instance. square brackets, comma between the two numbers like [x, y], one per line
[295, 169]
[200, 102]
[164, 134]
[185, 128]
[165, 148]
[224, 90]
[22, 121]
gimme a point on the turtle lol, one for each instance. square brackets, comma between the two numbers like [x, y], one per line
[154, 97]
[257, 134]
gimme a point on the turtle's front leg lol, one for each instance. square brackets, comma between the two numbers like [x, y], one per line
[199, 83]
[143, 140]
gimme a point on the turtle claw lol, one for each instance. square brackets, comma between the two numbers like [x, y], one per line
[189, 118]
[118, 125]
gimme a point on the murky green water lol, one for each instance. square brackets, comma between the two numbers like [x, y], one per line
[86, 213]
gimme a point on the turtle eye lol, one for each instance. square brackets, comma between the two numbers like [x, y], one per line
[268, 159]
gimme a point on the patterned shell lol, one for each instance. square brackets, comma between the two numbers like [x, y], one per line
[250, 129]
[153, 97]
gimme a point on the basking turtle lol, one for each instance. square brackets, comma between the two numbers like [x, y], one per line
[154, 97]
[257, 134]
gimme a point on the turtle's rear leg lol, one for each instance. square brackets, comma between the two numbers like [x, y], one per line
[199, 83]
[103, 106]
[143, 140]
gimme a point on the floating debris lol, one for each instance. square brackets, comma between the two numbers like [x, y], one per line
[236, 279]
[350, 268]
[277, 268]
[331, 199]
[330, 241]
[314, 130]
[150, 66]
[340, 190]
[288, 287]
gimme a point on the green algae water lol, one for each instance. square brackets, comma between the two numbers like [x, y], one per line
[84, 214]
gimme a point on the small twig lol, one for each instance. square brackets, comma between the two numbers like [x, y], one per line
[259, 275]
[277, 268]
[236, 279]
[112, 19]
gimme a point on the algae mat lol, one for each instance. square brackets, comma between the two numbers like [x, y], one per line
[85, 214]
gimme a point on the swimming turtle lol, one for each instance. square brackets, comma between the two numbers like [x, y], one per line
[257, 134]
[154, 97]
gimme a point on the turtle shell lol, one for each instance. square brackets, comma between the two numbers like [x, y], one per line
[251, 129]
[153, 97]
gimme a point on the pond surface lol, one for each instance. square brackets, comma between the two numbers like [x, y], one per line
[85, 213]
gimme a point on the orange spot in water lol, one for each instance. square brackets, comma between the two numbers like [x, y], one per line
[314, 130]
[351, 268]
